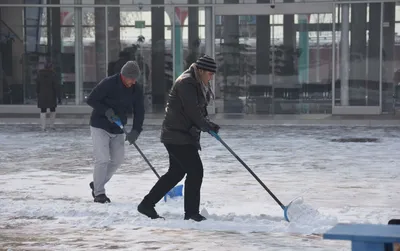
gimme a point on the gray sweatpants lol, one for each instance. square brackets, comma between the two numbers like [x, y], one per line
[109, 153]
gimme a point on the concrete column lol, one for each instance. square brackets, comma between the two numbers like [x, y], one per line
[159, 82]
[113, 30]
[289, 43]
[193, 41]
[389, 14]
[230, 46]
[100, 40]
[56, 40]
[78, 53]
[358, 52]
[2, 75]
[209, 50]
[374, 65]
[209, 29]
[289, 32]
[231, 68]
[344, 56]
[263, 44]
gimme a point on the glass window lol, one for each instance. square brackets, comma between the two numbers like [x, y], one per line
[143, 35]
[33, 37]
[276, 64]
[357, 81]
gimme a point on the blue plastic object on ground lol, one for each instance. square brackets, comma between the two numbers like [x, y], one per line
[174, 192]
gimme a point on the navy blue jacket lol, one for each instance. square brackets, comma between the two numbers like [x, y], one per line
[112, 93]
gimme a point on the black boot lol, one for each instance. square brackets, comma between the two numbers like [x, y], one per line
[195, 217]
[147, 210]
[102, 198]
[91, 185]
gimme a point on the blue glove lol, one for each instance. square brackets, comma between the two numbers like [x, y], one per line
[111, 115]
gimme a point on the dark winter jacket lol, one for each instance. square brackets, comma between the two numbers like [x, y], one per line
[47, 89]
[186, 112]
[112, 93]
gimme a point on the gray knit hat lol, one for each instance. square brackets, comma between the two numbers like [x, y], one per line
[130, 70]
[206, 63]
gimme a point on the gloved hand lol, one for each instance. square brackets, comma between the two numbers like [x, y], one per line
[132, 136]
[214, 127]
[111, 115]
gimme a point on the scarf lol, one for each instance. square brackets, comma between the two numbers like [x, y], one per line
[205, 88]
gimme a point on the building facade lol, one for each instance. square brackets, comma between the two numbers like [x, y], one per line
[274, 57]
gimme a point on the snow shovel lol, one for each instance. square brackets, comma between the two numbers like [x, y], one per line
[174, 192]
[285, 208]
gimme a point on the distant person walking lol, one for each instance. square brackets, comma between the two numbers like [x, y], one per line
[48, 92]
[116, 66]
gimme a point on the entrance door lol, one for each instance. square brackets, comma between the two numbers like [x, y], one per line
[274, 60]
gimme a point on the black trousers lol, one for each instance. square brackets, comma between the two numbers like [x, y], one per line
[43, 110]
[183, 159]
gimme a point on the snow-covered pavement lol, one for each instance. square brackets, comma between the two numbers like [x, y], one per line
[45, 200]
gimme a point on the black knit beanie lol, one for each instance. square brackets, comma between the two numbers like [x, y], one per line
[206, 63]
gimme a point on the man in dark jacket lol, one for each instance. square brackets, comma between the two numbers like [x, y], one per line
[113, 98]
[186, 116]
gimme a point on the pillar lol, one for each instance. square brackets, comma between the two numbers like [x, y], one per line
[113, 29]
[159, 83]
[344, 57]
[263, 45]
[389, 15]
[209, 49]
[372, 90]
[100, 40]
[193, 41]
[78, 53]
[56, 40]
[358, 52]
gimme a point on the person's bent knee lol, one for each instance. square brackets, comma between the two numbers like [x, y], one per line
[175, 175]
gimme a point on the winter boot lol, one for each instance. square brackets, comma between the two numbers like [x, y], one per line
[102, 198]
[91, 185]
[195, 217]
[43, 121]
[147, 210]
[52, 119]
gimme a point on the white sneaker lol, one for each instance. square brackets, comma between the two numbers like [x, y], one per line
[43, 121]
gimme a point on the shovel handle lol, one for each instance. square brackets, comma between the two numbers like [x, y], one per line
[118, 122]
[214, 134]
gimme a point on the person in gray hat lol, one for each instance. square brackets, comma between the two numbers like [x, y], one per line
[185, 118]
[113, 98]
